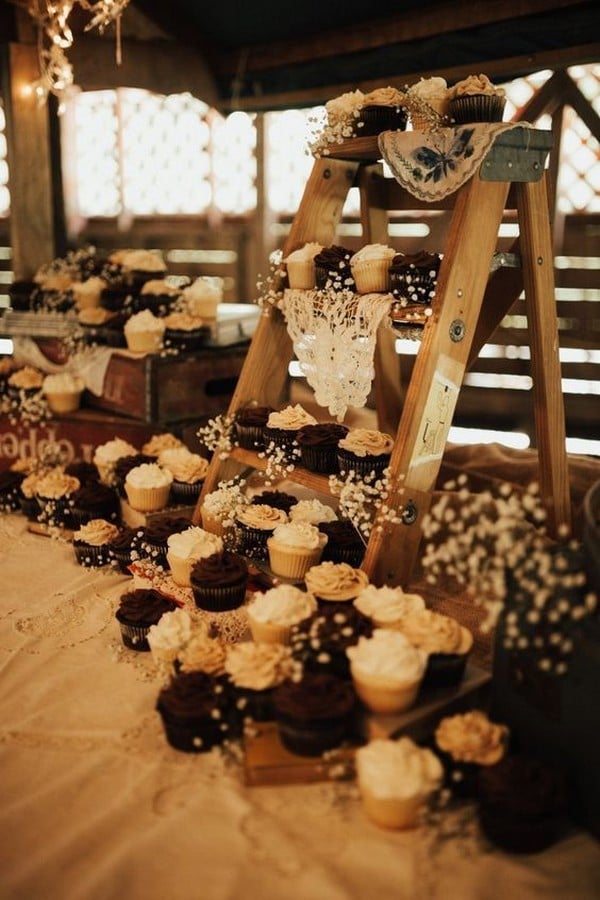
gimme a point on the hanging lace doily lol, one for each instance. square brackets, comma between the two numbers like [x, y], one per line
[334, 335]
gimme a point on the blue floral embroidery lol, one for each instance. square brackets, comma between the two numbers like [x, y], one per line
[439, 164]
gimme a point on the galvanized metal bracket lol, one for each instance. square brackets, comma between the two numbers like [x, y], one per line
[517, 155]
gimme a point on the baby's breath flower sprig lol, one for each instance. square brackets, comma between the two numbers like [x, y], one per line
[497, 547]
[280, 461]
[365, 500]
[28, 408]
[269, 287]
[218, 435]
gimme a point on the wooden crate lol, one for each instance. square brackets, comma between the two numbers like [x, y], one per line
[170, 389]
[77, 435]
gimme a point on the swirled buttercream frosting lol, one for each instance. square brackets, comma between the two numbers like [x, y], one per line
[291, 418]
[257, 515]
[282, 605]
[258, 667]
[472, 738]
[434, 632]
[335, 581]
[367, 442]
[96, 532]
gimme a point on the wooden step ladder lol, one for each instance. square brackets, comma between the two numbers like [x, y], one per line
[468, 306]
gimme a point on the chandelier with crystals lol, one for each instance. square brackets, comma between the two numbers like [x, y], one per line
[55, 37]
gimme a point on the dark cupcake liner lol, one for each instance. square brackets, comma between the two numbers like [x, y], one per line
[183, 492]
[250, 437]
[186, 341]
[156, 553]
[362, 465]
[351, 555]
[158, 304]
[375, 119]
[55, 511]
[134, 636]
[253, 541]
[220, 599]
[529, 835]
[319, 459]
[108, 513]
[90, 556]
[420, 289]
[121, 559]
[192, 735]
[255, 705]
[30, 508]
[10, 501]
[444, 670]
[312, 738]
[283, 438]
[477, 108]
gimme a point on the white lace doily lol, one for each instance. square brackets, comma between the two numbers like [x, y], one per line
[334, 336]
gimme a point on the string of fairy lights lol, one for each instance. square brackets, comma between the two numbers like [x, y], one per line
[55, 38]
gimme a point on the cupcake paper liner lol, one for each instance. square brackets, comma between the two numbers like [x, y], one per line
[288, 562]
[91, 556]
[372, 277]
[392, 812]
[220, 599]
[477, 108]
[148, 499]
[382, 695]
[362, 465]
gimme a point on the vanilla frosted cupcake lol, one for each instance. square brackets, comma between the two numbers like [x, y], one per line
[476, 99]
[187, 547]
[87, 293]
[300, 264]
[283, 426]
[144, 332]
[148, 487]
[188, 470]
[219, 508]
[365, 451]
[91, 542]
[428, 102]
[386, 671]
[293, 548]
[202, 654]
[159, 442]
[272, 614]
[395, 780]
[370, 268]
[312, 511]
[107, 454]
[202, 297]
[255, 523]
[255, 670]
[335, 582]
[446, 641]
[467, 742]
[387, 606]
[63, 392]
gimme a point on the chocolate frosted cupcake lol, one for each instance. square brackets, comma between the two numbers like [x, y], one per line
[219, 581]
[96, 501]
[332, 268]
[381, 110]
[413, 278]
[522, 804]
[249, 426]
[344, 543]
[85, 472]
[197, 712]
[91, 542]
[314, 714]
[365, 451]
[319, 446]
[122, 549]
[152, 543]
[319, 643]
[138, 611]
[276, 499]
[10, 490]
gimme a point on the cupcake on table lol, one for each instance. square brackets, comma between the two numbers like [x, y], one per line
[157, 295]
[197, 712]
[54, 494]
[396, 779]
[272, 614]
[91, 542]
[467, 743]
[63, 392]
[314, 714]
[188, 470]
[144, 332]
[387, 671]
[219, 581]
[106, 456]
[148, 487]
[185, 332]
[185, 548]
[202, 298]
[335, 582]
[138, 611]
[319, 643]
[446, 642]
[155, 445]
[386, 606]
[255, 671]
[255, 523]
[139, 266]
[293, 548]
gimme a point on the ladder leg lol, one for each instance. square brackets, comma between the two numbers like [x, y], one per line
[437, 376]
[538, 279]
